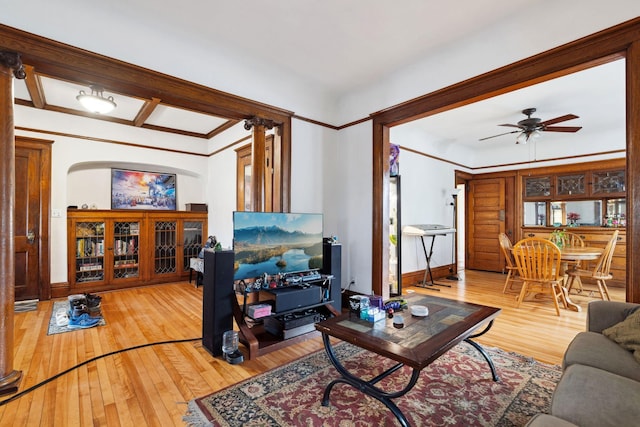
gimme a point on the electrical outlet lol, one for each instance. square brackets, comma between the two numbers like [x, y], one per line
[56, 213]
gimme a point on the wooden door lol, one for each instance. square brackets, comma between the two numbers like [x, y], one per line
[486, 219]
[244, 179]
[31, 225]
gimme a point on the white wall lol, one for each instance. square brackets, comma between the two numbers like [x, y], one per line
[426, 197]
[80, 169]
[352, 203]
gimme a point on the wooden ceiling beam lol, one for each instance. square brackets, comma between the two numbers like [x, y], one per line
[66, 62]
[146, 111]
[34, 86]
[228, 124]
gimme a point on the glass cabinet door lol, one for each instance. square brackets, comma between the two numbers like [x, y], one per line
[537, 187]
[126, 248]
[165, 245]
[608, 183]
[193, 239]
[89, 262]
[571, 185]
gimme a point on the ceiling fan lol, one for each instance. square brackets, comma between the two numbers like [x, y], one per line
[531, 127]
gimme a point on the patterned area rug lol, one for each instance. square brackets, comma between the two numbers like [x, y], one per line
[62, 306]
[455, 390]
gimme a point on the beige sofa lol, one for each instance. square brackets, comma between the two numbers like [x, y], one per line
[600, 383]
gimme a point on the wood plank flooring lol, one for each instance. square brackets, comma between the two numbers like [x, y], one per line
[151, 386]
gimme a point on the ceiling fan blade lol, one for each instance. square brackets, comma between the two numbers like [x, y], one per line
[559, 119]
[501, 134]
[562, 128]
[513, 126]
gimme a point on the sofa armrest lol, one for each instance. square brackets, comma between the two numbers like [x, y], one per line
[591, 397]
[603, 314]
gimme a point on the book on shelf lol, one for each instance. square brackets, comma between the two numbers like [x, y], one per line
[90, 267]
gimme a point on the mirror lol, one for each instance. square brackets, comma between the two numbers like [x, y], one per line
[616, 213]
[576, 213]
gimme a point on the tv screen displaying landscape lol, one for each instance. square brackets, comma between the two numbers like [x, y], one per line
[273, 243]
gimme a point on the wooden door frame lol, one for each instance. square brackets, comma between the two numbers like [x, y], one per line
[620, 41]
[44, 147]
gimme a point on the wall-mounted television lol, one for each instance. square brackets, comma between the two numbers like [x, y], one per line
[276, 243]
[142, 190]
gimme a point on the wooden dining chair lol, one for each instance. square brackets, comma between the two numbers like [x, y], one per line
[538, 262]
[572, 240]
[600, 273]
[511, 267]
[569, 240]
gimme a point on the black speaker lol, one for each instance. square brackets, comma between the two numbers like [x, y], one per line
[217, 294]
[292, 297]
[332, 264]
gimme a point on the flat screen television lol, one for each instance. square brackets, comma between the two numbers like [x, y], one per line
[142, 190]
[276, 243]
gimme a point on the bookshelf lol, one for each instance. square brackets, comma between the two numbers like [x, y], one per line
[116, 249]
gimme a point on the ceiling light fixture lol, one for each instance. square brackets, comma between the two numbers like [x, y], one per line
[527, 136]
[96, 102]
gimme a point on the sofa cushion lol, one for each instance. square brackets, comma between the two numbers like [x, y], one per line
[596, 350]
[544, 420]
[627, 333]
[591, 397]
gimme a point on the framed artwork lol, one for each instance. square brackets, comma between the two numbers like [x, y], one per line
[142, 190]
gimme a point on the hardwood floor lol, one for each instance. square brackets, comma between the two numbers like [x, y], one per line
[151, 386]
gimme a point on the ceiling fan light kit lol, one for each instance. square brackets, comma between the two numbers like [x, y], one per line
[96, 102]
[532, 127]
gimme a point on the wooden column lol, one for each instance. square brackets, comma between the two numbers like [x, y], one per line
[633, 171]
[10, 65]
[259, 126]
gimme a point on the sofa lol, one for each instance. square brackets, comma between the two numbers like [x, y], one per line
[600, 383]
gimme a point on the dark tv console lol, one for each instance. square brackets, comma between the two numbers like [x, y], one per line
[294, 309]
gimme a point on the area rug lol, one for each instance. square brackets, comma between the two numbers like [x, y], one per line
[62, 306]
[455, 390]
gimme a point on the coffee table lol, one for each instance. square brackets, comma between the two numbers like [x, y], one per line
[420, 342]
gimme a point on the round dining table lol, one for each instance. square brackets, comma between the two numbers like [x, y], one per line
[577, 253]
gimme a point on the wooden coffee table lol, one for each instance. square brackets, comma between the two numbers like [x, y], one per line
[421, 341]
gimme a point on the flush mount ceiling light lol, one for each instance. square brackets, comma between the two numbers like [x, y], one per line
[96, 102]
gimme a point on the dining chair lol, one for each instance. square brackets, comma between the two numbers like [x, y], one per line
[601, 271]
[538, 262]
[569, 240]
[572, 240]
[511, 267]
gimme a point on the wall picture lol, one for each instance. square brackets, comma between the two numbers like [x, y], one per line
[142, 190]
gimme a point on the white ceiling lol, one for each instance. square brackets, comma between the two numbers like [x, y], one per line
[595, 95]
[342, 45]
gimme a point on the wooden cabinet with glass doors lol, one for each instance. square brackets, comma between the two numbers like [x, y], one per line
[174, 241]
[114, 249]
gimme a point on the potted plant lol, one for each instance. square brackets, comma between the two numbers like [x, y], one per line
[557, 237]
[572, 219]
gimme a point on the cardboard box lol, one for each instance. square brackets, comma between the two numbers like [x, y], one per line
[196, 207]
[259, 310]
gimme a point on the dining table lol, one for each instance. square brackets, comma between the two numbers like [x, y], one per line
[574, 254]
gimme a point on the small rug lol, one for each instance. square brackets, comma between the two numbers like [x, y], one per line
[63, 306]
[455, 390]
[24, 306]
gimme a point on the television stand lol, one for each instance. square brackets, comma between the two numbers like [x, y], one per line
[259, 341]
[221, 305]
